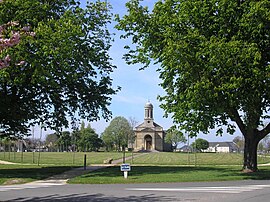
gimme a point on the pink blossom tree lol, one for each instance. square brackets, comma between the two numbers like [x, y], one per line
[9, 38]
[67, 69]
[7, 42]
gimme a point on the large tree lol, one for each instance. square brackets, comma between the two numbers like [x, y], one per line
[67, 67]
[64, 140]
[88, 140]
[12, 39]
[200, 144]
[174, 137]
[118, 133]
[51, 141]
[214, 61]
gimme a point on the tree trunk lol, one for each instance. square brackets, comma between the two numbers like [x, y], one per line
[250, 154]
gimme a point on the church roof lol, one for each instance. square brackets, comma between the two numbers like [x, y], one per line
[143, 125]
[148, 105]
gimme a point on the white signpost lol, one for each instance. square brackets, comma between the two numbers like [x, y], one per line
[125, 168]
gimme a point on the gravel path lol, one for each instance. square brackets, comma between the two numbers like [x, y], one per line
[7, 162]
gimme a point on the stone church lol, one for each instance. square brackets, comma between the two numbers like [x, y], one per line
[149, 136]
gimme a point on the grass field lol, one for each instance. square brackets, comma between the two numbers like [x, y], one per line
[168, 158]
[18, 174]
[159, 158]
[162, 174]
[50, 163]
[60, 158]
[150, 167]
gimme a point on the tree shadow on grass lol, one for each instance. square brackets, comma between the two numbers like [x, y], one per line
[221, 172]
[137, 172]
[38, 173]
[262, 174]
[96, 198]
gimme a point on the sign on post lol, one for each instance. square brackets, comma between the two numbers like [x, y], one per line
[125, 168]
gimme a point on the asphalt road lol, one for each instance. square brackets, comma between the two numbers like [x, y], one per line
[247, 191]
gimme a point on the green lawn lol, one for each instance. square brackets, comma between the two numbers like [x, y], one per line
[18, 174]
[60, 158]
[159, 158]
[162, 174]
[168, 158]
[149, 167]
[51, 163]
[178, 167]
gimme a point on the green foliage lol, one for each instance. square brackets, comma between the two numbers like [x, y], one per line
[85, 139]
[117, 134]
[174, 137]
[108, 140]
[67, 67]
[214, 58]
[64, 140]
[200, 144]
[88, 139]
[51, 141]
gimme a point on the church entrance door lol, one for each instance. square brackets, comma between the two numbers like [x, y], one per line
[148, 142]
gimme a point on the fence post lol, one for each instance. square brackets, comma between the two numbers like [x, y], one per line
[85, 162]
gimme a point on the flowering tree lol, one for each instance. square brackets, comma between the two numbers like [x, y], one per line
[7, 42]
[10, 37]
[67, 67]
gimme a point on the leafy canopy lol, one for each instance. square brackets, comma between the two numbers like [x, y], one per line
[88, 139]
[200, 144]
[118, 133]
[214, 57]
[67, 66]
[174, 137]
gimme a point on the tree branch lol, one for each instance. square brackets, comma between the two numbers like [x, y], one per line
[265, 131]
[236, 117]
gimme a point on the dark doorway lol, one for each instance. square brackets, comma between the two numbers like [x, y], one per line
[148, 142]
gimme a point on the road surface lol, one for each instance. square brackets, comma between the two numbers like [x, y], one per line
[231, 191]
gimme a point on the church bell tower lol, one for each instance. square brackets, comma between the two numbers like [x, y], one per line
[148, 114]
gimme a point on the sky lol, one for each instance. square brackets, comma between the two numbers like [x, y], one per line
[137, 87]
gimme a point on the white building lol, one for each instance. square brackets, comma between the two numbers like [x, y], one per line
[222, 147]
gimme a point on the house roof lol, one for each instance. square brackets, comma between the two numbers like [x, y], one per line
[222, 144]
[186, 147]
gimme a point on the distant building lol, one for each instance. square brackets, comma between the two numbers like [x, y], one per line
[222, 147]
[185, 148]
[149, 136]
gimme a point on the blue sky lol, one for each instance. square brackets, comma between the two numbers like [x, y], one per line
[137, 86]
